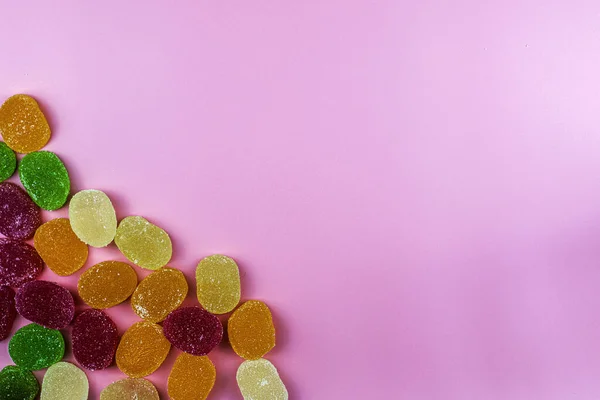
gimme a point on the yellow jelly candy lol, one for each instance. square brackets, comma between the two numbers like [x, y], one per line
[107, 284]
[23, 125]
[130, 389]
[143, 243]
[142, 349]
[64, 381]
[59, 247]
[93, 217]
[218, 280]
[192, 378]
[251, 330]
[159, 293]
[259, 379]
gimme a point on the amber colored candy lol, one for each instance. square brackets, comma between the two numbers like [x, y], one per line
[23, 125]
[64, 381]
[143, 243]
[218, 284]
[142, 349]
[159, 293]
[251, 331]
[107, 284]
[130, 389]
[192, 378]
[59, 247]
[93, 217]
[259, 379]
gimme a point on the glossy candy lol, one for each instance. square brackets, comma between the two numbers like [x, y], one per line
[23, 125]
[59, 247]
[8, 313]
[45, 178]
[8, 162]
[142, 349]
[218, 284]
[143, 243]
[19, 263]
[93, 217]
[34, 347]
[46, 304]
[193, 330]
[251, 331]
[192, 378]
[95, 339]
[17, 384]
[64, 381]
[107, 284]
[130, 389]
[259, 379]
[159, 293]
[19, 215]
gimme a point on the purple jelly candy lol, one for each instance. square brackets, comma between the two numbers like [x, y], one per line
[95, 339]
[46, 304]
[19, 263]
[193, 330]
[19, 216]
[8, 313]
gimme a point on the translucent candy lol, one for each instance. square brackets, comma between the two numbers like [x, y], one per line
[130, 389]
[193, 330]
[142, 349]
[59, 247]
[218, 280]
[8, 313]
[159, 293]
[34, 347]
[95, 340]
[64, 381]
[8, 162]
[45, 303]
[45, 178]
[259, 379]
[192, 378]
[19, 263]
[143, 243]
[23, 125]
[17, 384]
[251, 331]
[93, 217]
[19, 216]
[107, 284]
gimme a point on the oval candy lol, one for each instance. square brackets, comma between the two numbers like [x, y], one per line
[142, 350]
[23, 125]
[46, 304]
[193, 330]
[259, 379]
[64, 381]
[191, 378]
[17, 384]
[159, 293]
[59, 247]
[95, 339]
[8, 162]
[218, 284]
[251, 331]
[107, 284]
[46, 179]
[143, 243]
[93, 217]
[8, 312]
[130, 389]
[34, 347]
[19, 263]
[19, 215]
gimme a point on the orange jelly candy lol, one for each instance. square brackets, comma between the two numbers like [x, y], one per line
[191, 378]
[107, 284]
[143, 348]
[251, 330]
[59, 247]
[23, 125]
[159, 293]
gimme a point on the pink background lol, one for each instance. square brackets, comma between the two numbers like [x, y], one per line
[412, 186]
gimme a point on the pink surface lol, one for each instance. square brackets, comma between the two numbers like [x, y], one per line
[414, 187]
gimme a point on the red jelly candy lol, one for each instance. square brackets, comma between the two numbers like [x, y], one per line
[193, 330]
[19, 263]
[7, 311]
[46, 304]
[95, 339]
[19, 215]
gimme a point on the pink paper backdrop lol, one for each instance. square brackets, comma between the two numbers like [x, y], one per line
[413, 186]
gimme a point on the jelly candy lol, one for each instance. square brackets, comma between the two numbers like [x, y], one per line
[193, 330]
[46, 179]
[95, 339]
[251, 331]
[23, 125]
[64, 381]
[142, 349]
[159, 293]
[46, 304]
[192, 378]
[8, 162]
[19, 216]
[19, 263]
[107, 284]
[259, 379]
[8, 313]
[59, 247]
[143, 243]
[17, 384]
[93, 217]
[218, 280]
[130, 389]
[34, 347]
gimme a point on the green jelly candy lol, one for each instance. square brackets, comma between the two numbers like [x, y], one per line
[8, 162]
[34, 347]
[46, 179]
[17, 384]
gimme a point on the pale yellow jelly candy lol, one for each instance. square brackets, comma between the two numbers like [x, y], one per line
[107, 284]
[159, 293]
[142, 349]
[93, 217]
[59, 247]
[259, 379]
[251, 331]
[130, 389]
[64, 381]
[23, 125]
[192, 378]
[143, 243]
[218, 280]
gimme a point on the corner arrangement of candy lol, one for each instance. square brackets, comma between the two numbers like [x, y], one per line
[62, 245]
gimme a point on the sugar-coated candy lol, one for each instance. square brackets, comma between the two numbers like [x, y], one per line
[19, 215]
[93, 217]
[159, 293]
[95, 339]
[23, 125]
[59, 247]
[64, 381]
[251, 331]
[259, 379]
[8, 162]
[107, 284]
[142, 349]
[19, 263]
[8, 312]
[191, 378]
[17, 384]
[218, 284]
[45, 303]
[34, 347]
[45, 178]
[143, 243]
[193, 330]
[130, 389]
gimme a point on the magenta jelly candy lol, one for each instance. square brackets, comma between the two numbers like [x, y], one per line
[19, 216]
[46, 304]
[95, 339]
[193, 330]
[19, 263]
[8, 313]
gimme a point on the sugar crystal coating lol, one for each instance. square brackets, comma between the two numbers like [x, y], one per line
[19, 215]
[130, 389]
[143, 243]
[34, 347]
[19, 263]
[17, 384]
[159, 293]
[59, 247]
[46, 304]
[95, 339]
[23, 125]
[193, 330]
[259, 379]
[45, 178]
[142, 349]
[191, 378]
[107, 284]
[8, 313]
[93, 217]
[8, 162]
[218, 284]
[251, 331]
[64, 381]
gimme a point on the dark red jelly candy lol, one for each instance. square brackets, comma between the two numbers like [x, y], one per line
[19, 215]
[95, 339]
[46, 304]
[193, 330]
[19, 263]
[8, 312]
